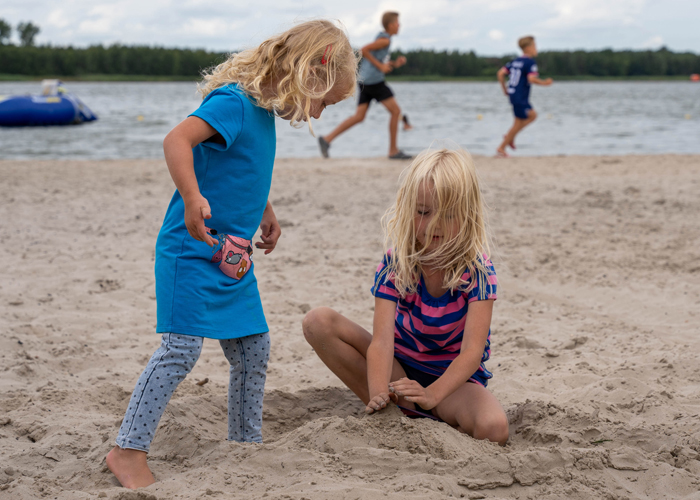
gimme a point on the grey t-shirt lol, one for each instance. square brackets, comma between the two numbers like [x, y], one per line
[369, 74]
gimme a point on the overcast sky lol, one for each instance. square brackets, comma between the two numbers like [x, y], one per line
[486, 26]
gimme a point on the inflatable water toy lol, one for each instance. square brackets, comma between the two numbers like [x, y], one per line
[55, 106]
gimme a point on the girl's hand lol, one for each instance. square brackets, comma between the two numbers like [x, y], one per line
[400, 61]
[413, 392]
[271, 230]
[196, 210]
[386, 68]
[380, 401]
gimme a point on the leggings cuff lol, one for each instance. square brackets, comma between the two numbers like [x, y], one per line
[127, 444]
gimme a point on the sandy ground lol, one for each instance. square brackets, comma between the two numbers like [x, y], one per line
[596, 352]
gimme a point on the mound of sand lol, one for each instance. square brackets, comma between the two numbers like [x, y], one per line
[594, 339]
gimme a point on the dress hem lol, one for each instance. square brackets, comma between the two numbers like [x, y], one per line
[198, 332]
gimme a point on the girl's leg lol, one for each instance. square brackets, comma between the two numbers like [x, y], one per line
[168, 366]
[342, 346]
[472, 409]
[248, 357]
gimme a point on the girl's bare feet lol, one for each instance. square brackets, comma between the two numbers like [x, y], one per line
[130, 467]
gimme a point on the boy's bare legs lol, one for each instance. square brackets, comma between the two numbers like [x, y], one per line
[358, 117]
[518, 125]
[130, 467]
[342, 346]
[393, 107]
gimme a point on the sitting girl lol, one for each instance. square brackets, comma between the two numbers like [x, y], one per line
[434, 293]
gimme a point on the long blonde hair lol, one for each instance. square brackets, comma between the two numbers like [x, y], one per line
[304, 63]
[451, 176]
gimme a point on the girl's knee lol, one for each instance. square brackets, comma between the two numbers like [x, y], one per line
[317, 323]
[183, 349]
[492, 427]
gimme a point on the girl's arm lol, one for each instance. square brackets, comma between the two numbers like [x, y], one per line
[380, 355]
[177, 147]
[476, 331]
[270, 230]
[376, 45]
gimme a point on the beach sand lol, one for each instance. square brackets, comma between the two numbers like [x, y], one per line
[595, 345]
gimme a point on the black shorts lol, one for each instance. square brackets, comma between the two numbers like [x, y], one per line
[378, 91]
[424, 379]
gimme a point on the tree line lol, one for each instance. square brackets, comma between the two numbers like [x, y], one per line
[600, 63]
[49, 61]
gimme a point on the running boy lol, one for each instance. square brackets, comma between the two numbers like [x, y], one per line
[523, 73]
[375, 64]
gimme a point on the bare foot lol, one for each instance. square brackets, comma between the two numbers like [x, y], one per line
[130, 467]
[501, 153]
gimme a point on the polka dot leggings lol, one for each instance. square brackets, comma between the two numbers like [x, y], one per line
[169, 366]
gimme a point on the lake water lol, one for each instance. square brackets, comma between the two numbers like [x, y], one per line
[590, 118]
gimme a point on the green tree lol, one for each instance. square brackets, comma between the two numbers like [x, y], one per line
[5, 31]
[27, 32]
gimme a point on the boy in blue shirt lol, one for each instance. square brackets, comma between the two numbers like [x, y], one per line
[375, 64]
[522, 72]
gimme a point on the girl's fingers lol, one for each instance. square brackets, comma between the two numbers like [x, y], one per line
[412, 392]
[401, 385]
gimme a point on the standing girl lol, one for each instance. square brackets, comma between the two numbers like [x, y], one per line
[221, 159]
[434, 293]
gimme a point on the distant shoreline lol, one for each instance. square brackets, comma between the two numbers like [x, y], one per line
[404, 78]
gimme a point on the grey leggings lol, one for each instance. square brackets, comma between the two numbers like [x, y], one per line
[169, 366]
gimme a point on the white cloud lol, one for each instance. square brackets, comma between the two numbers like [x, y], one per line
[439, 24]
[496, 35]
[58, 18]
[572, 13]
[654, 42]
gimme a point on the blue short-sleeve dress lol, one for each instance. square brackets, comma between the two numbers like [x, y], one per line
[214, 293]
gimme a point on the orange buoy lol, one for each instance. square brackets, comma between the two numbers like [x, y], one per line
[695, 77]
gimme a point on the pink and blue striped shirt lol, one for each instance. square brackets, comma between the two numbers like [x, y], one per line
[428, 330]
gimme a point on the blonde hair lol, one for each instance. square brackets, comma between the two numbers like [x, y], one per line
[526, 41]
[388, 18]
[451, 177]
[304, 63]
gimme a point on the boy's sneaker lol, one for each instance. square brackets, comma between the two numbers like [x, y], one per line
[323, 145]
[400, 155]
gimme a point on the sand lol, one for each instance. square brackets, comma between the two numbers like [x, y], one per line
[596, 352]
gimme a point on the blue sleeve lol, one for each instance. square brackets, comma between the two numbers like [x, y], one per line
[486, 286]
[508, 65]
[223, 110]
[384, 287]
[532, 68]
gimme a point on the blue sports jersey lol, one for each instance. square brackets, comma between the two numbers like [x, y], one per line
[518, 71]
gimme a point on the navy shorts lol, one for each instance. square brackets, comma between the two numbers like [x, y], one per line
[425, 379]
[377, 91]
[520, 110]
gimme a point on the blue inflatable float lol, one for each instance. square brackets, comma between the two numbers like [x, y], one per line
[55, 106]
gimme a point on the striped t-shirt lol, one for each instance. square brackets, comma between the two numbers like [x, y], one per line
[428, 330]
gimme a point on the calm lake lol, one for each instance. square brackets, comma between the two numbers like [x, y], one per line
[589, 118]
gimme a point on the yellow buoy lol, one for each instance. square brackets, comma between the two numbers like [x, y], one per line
[479, 117]
[140, 118]
[687, 116]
